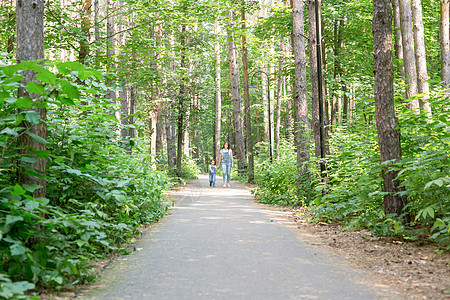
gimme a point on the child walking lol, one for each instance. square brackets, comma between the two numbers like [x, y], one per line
[212, 173]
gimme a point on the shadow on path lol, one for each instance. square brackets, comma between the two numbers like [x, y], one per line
[217, 245]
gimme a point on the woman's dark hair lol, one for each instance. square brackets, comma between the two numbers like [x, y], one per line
[212, 160]
[226, 143]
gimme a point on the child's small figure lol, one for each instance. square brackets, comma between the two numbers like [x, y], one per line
[212, 173]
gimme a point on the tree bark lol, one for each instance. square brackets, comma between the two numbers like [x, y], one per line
[124, 132]
[180, 102]
[30, 47]
[240, 152]
[247, 119]
[132, 131]
[85, 27]
[312, 42]
[218, 101]
[398, 36]
[445, 42]
[421, 60]
[111, 45]
[300, 99]
[388, 133]
[409, 61]
[276, 135]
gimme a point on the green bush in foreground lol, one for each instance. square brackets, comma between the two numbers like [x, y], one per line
[97, 193]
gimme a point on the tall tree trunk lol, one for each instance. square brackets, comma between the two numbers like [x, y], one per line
[110, 48]
[300, 97]
[248, 124]
[409, 61]
[85, 27]
[124, 132]
[132, 131]
[421, 60]
[398, 36]
[445, 42]
[218, 98]
[388, 133]
[180, 102]
[312, 42]
[277, 112]
[234, 75]
[30, 47]
[338, 28]
[265, 100]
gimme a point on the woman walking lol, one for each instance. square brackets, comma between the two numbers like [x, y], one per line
[226, 158]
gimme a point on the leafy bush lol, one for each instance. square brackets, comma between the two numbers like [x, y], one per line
[97, 193]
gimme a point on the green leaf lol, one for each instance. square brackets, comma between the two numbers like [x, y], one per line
[46, 76]
[12, 219]
[438, 222]
[37, 138]
[31, 187]
[17, 190]
[67, 101]
[29, 160]
[35, 88]
[11, 70]
[24, 103]
[9, 131]
[17, 249]
[33, 117]
[70, 90]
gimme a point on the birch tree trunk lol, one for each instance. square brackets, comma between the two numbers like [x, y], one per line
[388, 133]
[240, 152]
[445, 42]
[421, 60]
[409, 61]
[247, 119]
[277, 112]
[30, 47]
[218, 91]
[398, 36]
[300, 100]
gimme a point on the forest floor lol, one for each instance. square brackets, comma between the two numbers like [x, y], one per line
[420, 270]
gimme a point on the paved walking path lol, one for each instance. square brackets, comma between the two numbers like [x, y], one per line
[217, 244]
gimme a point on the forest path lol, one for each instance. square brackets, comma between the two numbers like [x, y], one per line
[217, 244]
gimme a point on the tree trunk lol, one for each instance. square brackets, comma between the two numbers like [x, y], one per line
[312, 42]
[300, 99]
[398, 36]
[85, 27]
[421, 60]
[132, 131]
[388, 133]
[265, 100]
[124, 132]
[180, 102]
[234, 75]
[445, 42]
[218, 113]
[276, 135]
[338, 28]
[110, 48]
[409, 61]
[30, 47]
[248, 125]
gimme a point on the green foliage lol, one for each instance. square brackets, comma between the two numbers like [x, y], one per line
[277, 181]
[97, 193]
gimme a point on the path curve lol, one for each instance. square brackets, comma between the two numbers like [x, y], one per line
[216, 244]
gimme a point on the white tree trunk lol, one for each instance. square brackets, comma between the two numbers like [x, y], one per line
[421, 60]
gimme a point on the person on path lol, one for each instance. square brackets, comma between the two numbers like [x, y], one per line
[212, 173]
[226, 158]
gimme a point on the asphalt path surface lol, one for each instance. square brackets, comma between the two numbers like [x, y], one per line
[217, 244]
